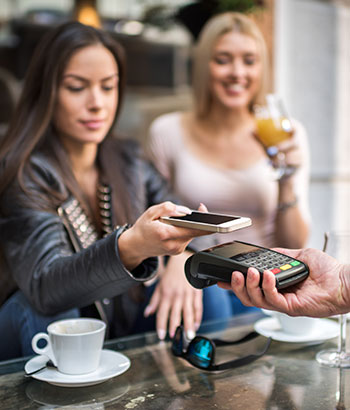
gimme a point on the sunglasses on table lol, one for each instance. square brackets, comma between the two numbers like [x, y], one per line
[200, 351]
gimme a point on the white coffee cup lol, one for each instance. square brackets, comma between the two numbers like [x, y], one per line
[294, 325]
[73, 345]
[298, 325]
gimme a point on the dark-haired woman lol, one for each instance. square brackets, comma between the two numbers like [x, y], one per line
[67, 191]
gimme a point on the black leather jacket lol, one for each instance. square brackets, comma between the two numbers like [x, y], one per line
[38, 253]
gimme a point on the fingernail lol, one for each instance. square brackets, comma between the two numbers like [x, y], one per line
[183, 210]
[190, 334]
[234, 278]
[161, 334]
[197, 326]
[272, 151]
[147, 311]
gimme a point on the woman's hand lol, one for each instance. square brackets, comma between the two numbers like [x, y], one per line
[149, 236]
[288, 154]
[175, 299]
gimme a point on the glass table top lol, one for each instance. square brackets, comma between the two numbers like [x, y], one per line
[287, 377]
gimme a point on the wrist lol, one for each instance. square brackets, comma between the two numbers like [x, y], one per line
[286, 192]
[129, 248]
[285, 205]
[286, 186]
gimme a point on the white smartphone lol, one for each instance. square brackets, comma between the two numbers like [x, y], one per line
[208, 221]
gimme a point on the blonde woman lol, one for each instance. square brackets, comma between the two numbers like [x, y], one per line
[210, 154]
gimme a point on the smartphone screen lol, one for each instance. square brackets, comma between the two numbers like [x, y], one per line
[206, 218]
[208, 221]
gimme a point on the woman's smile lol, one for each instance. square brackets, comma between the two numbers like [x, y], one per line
[93, 124]
[235, 70]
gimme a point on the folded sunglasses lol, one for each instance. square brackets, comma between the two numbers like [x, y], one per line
[200, 351]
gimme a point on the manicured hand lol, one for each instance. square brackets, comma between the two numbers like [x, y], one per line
[174, 300]
[151, 237]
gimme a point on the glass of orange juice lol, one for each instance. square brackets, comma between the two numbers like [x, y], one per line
[273, 126]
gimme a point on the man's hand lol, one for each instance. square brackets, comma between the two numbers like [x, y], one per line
[324, 293]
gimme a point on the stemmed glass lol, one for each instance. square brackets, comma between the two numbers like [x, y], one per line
[274, 126]
[337, 244]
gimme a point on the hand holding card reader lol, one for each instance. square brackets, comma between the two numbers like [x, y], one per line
[216, 264]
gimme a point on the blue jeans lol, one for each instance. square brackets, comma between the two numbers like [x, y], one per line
[218, 304]
[19, 322]
[222, 304]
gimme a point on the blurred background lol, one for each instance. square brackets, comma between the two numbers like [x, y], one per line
[309, 49]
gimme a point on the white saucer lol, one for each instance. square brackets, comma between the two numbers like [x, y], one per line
[324, 330]
[111, 364]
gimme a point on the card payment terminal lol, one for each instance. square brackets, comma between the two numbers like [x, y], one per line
[216, 264]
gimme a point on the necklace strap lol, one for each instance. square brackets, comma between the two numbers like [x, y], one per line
[105, 205]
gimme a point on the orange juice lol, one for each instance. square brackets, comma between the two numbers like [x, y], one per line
[272, 131]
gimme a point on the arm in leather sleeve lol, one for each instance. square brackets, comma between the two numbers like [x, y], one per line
[52, 276]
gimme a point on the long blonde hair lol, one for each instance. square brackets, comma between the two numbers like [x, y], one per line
[213, 29]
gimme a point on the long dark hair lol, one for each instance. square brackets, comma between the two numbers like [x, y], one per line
[31, 128]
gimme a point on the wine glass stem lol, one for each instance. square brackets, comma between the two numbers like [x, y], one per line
[342, 334]
[340, 390]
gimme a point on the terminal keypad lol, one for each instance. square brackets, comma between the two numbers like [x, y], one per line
[264, 259]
